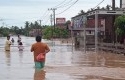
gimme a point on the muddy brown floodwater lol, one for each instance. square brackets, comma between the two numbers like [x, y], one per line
[63, 62]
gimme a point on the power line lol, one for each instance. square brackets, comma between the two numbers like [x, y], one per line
[46, 14]
[65, 5]
[98, 4]
[60, 4]
[68, 7]
[46, 21]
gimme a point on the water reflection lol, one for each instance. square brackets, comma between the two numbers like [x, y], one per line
[8, 57]
[63, 62]
[102, 59]
[20, 56]
[39, 74]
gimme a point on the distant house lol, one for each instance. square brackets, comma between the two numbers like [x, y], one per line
[35, 32]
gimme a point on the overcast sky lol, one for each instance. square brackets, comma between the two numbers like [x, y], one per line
[16, 12]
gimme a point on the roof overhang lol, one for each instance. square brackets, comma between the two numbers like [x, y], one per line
[81, 29]
[105, 13]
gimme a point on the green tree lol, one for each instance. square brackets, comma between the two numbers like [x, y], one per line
[50, 32]
[47, 32]
[4, 31]
[120, 27]
[64, 33]
[26, 29]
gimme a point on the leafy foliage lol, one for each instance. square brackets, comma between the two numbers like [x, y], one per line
[4, 31]
[51, 32]
[48, 32]
[120, 25]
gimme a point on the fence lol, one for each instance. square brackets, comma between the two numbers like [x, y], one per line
[115, 48]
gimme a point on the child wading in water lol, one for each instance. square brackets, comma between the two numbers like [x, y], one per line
[12, 40]
[20, 46]
[19, 39]
[7, 44]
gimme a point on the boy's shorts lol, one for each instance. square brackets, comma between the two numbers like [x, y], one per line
[39, 65]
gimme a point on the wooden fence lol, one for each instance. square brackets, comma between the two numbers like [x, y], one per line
[115, 48]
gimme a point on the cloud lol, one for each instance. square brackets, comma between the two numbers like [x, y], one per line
[25, 2]
[30, 10]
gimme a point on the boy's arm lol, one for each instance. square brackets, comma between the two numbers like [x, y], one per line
[32, 49]
[9, 42]
[47, 49]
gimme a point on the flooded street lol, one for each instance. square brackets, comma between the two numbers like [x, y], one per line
[63, 62]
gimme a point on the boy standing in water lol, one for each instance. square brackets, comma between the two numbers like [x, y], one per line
[20, 46]
[7, 44]
[37, 48]
[12, 40]
[19, 39]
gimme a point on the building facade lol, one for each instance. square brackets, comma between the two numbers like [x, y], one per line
[104, 22]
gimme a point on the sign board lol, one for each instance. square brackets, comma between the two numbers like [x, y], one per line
[60, 20]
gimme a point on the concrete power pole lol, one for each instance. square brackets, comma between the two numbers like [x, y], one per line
[120, 3]
[54, 17]
[40, 22]
[53, 9]
[41, 26]
[51, 19]
[113, 5]
[113, 19]
[38, 31]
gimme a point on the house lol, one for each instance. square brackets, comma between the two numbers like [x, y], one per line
[35, 32]
[80, 30]
[105, 23]
[95, 25]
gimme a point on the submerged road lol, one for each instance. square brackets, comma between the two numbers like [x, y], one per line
[63, 62]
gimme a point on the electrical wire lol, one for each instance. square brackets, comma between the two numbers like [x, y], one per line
[60, 3]
[65, 5]
[98, 4]
[46, 21]
[45, 15]
[68, 7]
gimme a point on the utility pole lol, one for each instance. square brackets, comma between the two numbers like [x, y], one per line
[40, 22]
[51, 19]
[41, 27]
[84, 25]
[113, 20]
[53, 9]
[96, 31]
[113, 5]
[120, 3]
[51, 23]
